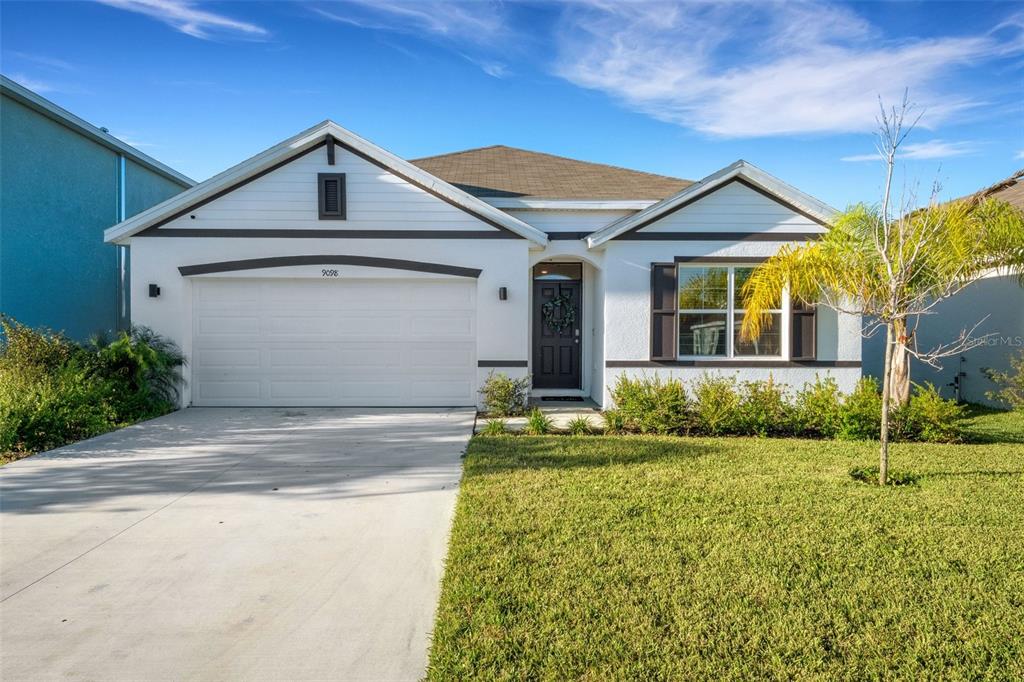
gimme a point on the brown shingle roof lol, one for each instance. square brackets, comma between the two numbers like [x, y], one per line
[501, 171]
[1010, 190]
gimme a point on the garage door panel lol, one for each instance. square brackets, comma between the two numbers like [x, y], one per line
[228, 390]
[334, 342]
[235, 358]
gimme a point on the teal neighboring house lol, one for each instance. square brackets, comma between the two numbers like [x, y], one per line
[62, 182]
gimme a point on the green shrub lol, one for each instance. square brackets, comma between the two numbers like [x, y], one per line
[614, 422]
[538, 423]
[651, 405]
[764, 409]
[716, 408]
[53, 391]
[1011, 391]
[579, 425]
[862, 412]
[932, 418]
[503, 396]
[818, 409]
[495, 427]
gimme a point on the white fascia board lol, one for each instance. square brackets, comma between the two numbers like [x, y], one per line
[751, 173]
[570, 204]
[123, 231]
[23, 95]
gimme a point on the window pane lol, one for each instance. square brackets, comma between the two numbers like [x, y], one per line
[703, 288]
[702, 333]
[558, 271]
[741, 276]
[768, 343]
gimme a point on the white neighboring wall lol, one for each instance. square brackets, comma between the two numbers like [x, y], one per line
[997, 300]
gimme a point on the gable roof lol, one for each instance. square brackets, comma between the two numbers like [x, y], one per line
[738, 171]
[500, 171]
[45, 107]
[299, 144]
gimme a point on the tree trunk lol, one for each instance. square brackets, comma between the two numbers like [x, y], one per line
[883, 458]
[899, 385]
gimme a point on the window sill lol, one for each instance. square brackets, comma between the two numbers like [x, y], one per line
[732, 362]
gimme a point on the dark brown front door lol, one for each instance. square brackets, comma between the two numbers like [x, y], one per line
[556, 347]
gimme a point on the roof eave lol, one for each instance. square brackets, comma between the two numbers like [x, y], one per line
[43, 106]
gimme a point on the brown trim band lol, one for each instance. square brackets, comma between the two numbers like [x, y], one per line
[691, 200]
[364, 261]
[720, 259]
[717, 236]
[326, 234]
[502, 363]
[566, 236]
[732, 363]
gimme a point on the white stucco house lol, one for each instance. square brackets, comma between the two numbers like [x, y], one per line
[328, 271]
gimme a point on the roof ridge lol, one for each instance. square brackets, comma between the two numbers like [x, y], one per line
[461, 151]
[556, 156]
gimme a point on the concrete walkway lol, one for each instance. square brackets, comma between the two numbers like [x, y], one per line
[231, 544]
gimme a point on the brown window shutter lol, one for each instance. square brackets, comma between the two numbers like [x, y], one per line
[804, 325]
[663, 311]
[331, 195]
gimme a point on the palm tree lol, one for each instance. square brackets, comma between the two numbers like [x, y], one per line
[893, 270]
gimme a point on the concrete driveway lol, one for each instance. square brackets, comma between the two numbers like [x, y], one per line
[224, 544]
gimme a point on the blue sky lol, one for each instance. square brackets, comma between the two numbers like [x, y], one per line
[675, 88]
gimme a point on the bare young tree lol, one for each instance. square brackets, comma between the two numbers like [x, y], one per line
[894, 263]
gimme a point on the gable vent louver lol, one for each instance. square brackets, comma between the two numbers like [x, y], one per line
[331, 195]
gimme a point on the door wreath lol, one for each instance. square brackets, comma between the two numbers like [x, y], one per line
[567, 313]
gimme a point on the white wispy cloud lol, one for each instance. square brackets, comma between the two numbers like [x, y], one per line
[51, 63]
[33, 84]
[745, 69]
[1020, 154]
[933, 149]
[470, 22]
[480, 26]
[189, 19]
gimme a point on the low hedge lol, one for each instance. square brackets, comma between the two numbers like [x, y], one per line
[54, 391]
[716, 405]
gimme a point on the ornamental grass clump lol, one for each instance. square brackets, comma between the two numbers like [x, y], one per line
[495, 427]
[579, 426]
[538, 423]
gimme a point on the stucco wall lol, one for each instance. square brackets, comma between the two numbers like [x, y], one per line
[996, 302]
[59, 192]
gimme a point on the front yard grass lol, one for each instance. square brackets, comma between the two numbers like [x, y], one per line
[671, 558]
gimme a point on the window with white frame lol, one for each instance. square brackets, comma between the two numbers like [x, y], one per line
[710, 312]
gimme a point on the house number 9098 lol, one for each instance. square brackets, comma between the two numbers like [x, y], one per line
[329, 273]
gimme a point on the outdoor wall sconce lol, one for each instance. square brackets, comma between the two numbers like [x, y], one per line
[502, 293]
[154, 291]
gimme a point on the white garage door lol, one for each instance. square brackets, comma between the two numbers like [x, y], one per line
[384, 342]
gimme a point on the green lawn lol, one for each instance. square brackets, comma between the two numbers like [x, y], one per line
[669, 558]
